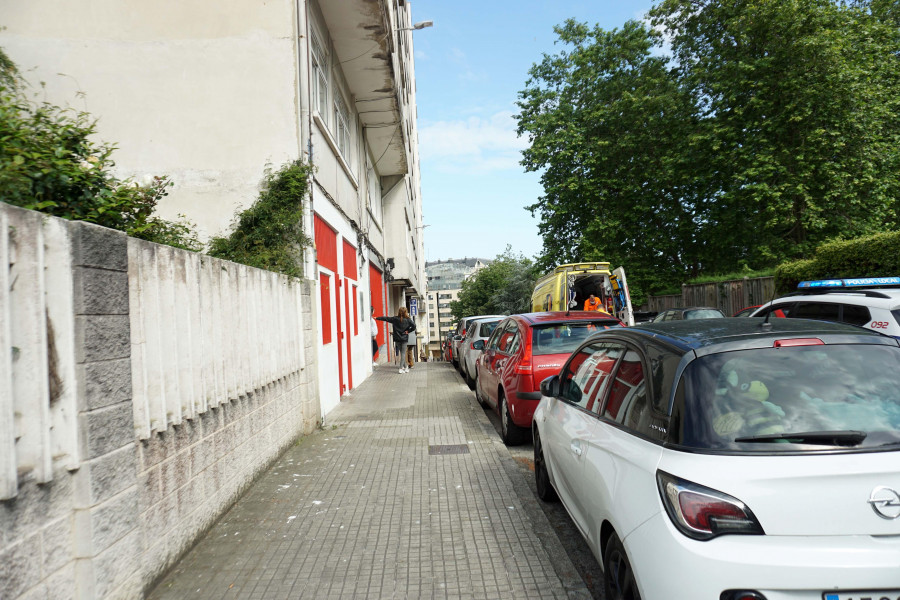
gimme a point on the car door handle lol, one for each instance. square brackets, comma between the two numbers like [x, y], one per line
[576, 448]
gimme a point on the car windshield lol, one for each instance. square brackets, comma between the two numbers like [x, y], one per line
[801, 398]
[703, 313]
[564, 338]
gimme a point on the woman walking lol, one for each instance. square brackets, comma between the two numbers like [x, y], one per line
[402, 325]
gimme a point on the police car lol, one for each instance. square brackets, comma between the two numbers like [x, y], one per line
[869, 302]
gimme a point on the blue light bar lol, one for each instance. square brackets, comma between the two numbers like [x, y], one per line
[849, 283]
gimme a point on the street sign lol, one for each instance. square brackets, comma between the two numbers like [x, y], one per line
[414, 306]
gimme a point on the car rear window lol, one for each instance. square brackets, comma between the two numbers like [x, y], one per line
[564, 338]
[487, 329]
[803, 398]
[705, 313]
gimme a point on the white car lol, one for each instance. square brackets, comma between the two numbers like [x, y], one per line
[461, 329]
[479, 330]
[871, 302]
[730, 459]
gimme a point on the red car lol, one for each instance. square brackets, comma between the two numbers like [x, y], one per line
[522, 351]
[746, 312]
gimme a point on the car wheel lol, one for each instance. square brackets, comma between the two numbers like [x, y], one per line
[545, 489]
[512, 434]
[618, 578]
[478, 395]
[469, 381]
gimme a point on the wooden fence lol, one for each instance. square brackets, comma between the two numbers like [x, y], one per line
[728, 296]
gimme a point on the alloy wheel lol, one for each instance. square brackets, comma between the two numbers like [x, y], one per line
[618, 577]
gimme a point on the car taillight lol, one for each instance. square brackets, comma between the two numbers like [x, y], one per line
[703, 513]
[524, 366]
[798, 342]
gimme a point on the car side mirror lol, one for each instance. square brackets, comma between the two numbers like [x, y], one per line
[478, 345]
[550, 386]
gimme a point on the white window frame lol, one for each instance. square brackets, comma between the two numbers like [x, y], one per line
[342, 126]
[320, 77]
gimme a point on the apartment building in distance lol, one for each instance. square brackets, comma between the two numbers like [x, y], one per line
[444, 282]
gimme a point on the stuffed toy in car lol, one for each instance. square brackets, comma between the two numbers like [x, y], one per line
[745, 403]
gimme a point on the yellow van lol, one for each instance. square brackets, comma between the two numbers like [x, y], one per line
[567, 287]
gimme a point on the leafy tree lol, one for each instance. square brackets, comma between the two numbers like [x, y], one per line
[50, 162]
[800, 99]
[773, 127]
[502, 287]
[608, 126]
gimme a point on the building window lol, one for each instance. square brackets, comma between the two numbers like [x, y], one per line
[320, 77]
[342, 125]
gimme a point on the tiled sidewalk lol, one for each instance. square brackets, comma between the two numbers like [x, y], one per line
[381, 504]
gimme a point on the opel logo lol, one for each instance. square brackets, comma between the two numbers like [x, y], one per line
[885, 502]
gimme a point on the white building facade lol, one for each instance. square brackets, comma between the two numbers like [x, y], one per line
[210, 95]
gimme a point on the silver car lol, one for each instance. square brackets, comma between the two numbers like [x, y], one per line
[479, 329]
[461, 329]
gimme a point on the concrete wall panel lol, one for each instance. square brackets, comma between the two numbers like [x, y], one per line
[139, 496]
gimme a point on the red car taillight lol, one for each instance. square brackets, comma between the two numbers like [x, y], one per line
[525, 366]
[703, 513]
[798, 342]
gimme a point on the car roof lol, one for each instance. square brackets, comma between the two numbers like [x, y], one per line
[691, 308]
[473, 317]
[749, 332]
[879, 297]
[562, 316]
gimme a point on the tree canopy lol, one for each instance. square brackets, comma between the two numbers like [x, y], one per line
[502, 287]
[718, 135]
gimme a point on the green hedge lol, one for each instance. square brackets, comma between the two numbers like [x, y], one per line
[872, 256]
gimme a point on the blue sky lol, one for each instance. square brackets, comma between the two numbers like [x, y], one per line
[469, 69]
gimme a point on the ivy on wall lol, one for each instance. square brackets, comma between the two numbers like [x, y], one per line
[269, 234]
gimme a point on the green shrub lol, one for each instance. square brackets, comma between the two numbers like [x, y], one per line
[876, 255]
[49, 162]
[269, 234]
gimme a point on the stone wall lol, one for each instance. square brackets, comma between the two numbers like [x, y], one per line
[95, 503]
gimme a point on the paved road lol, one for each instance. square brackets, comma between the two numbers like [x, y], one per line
[406, 492]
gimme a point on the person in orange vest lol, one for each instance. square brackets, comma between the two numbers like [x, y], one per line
[592, 303]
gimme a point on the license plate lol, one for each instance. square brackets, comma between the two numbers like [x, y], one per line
[863, 595]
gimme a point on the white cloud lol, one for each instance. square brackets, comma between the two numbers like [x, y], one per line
[474, 144]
